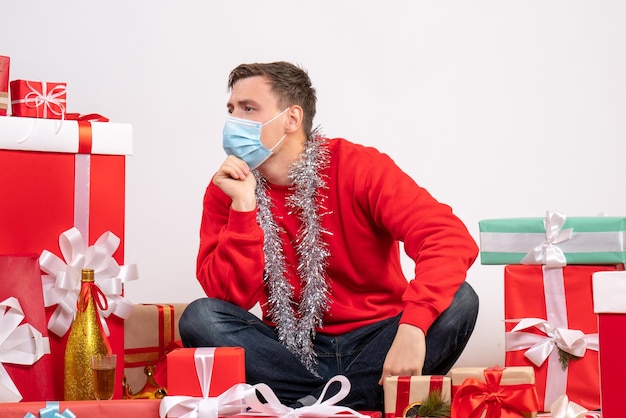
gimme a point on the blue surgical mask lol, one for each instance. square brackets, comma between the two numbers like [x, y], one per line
[242, 138]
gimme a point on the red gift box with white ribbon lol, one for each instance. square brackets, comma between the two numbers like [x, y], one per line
[65, 181]
[24, 345]
[38, 99]
[609, 298]
[551, 326]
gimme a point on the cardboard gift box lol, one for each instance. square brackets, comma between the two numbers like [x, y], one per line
[38, 99]
[609, 298]
[56, 180]
[551, 326]
[150, 332]
[402, 393]
[20, 279]
[571, 240]
[4, 84]
[510, 390]
[226, 367]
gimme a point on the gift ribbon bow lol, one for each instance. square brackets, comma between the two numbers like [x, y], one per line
[563, 408]
[548, 253]
[228, 403]
[51, 410]
[51, 100]
[19, 344]
[242, 396]
[62, 283]
[539, 347]
[508, 401]
[321, 408]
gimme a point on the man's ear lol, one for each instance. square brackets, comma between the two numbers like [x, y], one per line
[294, 119]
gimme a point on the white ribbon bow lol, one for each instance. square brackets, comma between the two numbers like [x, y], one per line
[51, 100]
[539, 347]
[321, 408]
[563, 408]
[548, 253]
[19, 344]
[228, 403]
[240, 397]
[61, 285]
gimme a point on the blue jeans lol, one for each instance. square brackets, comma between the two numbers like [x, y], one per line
[358, 355]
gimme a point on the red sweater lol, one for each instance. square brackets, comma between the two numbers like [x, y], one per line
[372, 205]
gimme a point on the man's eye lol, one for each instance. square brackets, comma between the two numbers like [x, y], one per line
[247, 109]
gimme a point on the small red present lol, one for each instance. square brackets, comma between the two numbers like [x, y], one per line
[38, 99]
[551, 327]
[20, 288]
[609, 298]
[224, 365]
[4, 84]
[493, 392]
[403, 393]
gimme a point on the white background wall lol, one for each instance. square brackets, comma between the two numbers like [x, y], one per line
[500, 108]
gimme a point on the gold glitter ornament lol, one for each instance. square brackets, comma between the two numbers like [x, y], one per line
[86, 338]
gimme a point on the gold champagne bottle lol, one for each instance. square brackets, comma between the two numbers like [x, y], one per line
[86, 339]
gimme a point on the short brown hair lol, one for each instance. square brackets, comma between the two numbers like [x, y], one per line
[290, 83]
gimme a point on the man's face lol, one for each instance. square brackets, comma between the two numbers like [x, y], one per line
[252, 98]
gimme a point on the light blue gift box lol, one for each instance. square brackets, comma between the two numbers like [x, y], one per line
[582, 240]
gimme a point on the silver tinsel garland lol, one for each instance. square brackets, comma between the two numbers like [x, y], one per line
[296, 329]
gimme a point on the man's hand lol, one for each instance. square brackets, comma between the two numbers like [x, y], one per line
[236, 180]
[407, 353]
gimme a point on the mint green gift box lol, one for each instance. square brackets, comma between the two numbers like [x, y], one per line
[582, 240]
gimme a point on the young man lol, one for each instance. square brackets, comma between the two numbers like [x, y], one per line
[309, 227]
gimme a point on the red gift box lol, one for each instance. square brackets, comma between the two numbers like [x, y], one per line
[404, 392]
[50, 192]
[549, 312]
[609, 296]
[38, 99]
[226, 364]
[493, 392]
[4, 84]
[20, 278]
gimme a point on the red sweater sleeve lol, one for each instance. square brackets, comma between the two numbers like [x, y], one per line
[434, 238]
[230, 258]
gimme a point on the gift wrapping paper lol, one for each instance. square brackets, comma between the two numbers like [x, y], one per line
[5, 63]
[581, 240]
[135, 408]
[609, 297]
[548, 311]
[402, 392]
[20, 278]
[38, 99]
[50, 192]
[515, 390]
[150, 333]
[228, 369]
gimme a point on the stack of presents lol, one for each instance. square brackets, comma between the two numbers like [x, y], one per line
[63, 186]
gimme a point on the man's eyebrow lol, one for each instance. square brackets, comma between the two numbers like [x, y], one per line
[242, 103]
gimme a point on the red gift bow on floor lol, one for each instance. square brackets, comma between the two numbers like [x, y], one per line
[507, 401]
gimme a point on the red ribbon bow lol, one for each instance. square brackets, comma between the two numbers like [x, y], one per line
[100, 299]
[84, 129]
[508, 401]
